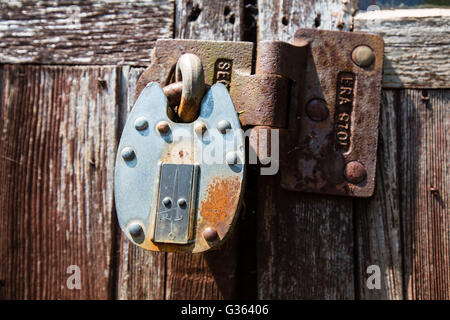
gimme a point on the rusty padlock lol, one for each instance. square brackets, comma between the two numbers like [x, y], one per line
[178, 185]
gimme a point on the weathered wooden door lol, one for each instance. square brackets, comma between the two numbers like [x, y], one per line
[67, 77]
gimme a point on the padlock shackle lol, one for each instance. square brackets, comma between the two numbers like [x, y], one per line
[189, 70]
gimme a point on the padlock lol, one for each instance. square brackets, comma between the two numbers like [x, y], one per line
[178, 186]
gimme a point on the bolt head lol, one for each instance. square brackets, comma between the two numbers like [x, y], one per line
[355, 172]
[182, 203]
[141, 123]
[223, 126]
[231, 157]
[363, 56]
[163, 127]
[210, 234]
[167, 201]
[135, 229]
[317, 109]
[128, 154]
[200, 128]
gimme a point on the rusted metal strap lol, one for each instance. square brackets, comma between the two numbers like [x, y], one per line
[260, 98]
[322, 89]
[263, 98]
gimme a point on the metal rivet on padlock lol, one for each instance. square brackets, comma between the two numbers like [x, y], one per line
[180, 191]
[141, 123]
[200, 128]
[223, 126]
[135, 229]
[128, 153]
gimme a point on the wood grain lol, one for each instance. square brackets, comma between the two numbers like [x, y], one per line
[208, 19]
[305, 242]
[378, 219]
[424, 128]
[58, 139]
[420, 36]
[278, 20]
[403, 228]
[83, 32]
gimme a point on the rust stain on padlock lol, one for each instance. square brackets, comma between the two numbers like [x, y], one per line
[222, 194]
[218, 208]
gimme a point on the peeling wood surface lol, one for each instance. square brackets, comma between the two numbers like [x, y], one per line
[58, 140]
[208, 19]
[278, 20]
[417, 46]
[85, 32]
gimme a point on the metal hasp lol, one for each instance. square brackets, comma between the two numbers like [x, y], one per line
[178, 186]
[330, 143]
[322, 91]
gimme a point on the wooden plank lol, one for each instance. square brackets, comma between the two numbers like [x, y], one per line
[377, 220]
[305, 244]
[58, 142]
[208, 20]
[278, 20]
[404, 228]
[400, 221]
[82, 32]
[419, 35]
[424, 178]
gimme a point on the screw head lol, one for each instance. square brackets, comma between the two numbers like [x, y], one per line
[135, 229]
[363, 56]
[141, 123]
[223, 126]
[128, 154]
[210, 234]
[182, 202]
[167, 201]
[317, 109]
[231, 157]
[163, 127]
[200, 128]
[355, 172]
